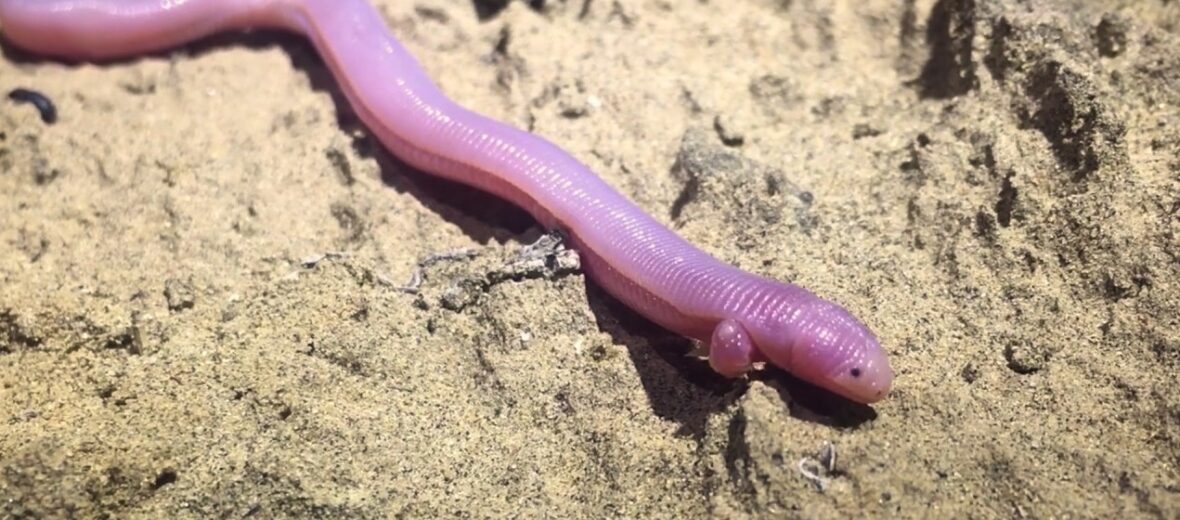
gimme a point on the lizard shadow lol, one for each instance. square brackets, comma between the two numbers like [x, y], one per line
[680, 388]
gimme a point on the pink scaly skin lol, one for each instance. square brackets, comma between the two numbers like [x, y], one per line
[744, 318]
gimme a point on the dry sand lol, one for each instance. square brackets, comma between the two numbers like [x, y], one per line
[202, 311]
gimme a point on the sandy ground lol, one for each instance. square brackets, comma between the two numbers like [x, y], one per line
[203, 264]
